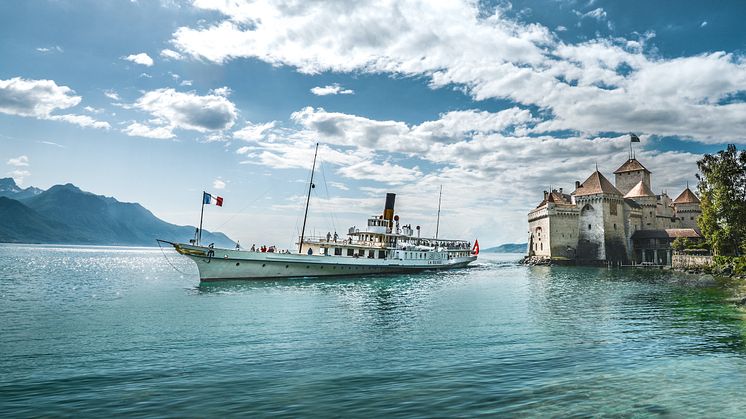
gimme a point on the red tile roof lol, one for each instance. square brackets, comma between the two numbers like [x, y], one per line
[640, 190]
[687, 197]
[596, 184]
[631, 165]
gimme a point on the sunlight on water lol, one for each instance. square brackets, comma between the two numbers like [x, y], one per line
[118, 331]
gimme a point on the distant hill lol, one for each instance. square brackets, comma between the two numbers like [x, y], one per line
[508, 248]
[64, 214]
[10, 189]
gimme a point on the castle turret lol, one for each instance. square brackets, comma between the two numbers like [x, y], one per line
[644, 197]
[687, 208]
[601, 235]
[630, 174]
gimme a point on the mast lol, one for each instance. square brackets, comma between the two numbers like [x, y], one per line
[308, 199]
[437, 224]
[201, 214]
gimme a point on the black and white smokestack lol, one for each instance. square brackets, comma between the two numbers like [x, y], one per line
[388, 210]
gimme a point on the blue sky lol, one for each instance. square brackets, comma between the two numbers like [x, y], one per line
[155, 101]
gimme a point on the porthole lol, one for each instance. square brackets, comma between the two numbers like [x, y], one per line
[264, 264]
[287, 266]
[237, 263]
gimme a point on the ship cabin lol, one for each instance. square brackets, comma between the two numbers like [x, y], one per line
[384, 238]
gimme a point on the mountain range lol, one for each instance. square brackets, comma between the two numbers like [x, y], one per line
[64, 214]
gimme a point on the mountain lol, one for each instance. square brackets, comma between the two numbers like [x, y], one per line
[64, 214]
[508, 248]
[10, 189]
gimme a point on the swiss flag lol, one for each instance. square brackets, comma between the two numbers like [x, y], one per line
[475, 250]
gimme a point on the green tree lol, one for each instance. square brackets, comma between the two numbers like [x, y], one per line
[722, 189]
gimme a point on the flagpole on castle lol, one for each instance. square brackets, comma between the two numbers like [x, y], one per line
[201, 214]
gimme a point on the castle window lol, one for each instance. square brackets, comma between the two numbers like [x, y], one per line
[589, 226]
[612, 208]
[542, 246]
[614, 226]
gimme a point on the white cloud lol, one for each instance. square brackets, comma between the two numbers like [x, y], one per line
[594, 86]
[598, 14]
[171, 54]
[560, 28]
[334, 89]
[111, 94]
[19, 161]
[141, 58]
[137, 129]
[185, 83]
[20, 171]
[39, 99]
[254, 132]
[171, 110]
[84, 121]
[35, 98]
[218, 184]
[703, 24]
[46, 50]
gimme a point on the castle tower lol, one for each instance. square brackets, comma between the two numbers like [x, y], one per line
[644, 197]
[630, 174]
[553, 227]
[687, 208]
[601, 234]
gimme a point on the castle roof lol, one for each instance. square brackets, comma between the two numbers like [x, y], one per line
[632, 203]
[596, 184]
[686, 197]
[640, 190]
[668, 233]
[631, 165]
[556, 198]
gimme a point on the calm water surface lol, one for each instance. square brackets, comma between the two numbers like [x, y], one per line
[117, 331]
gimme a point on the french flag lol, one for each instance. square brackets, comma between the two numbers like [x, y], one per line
[209, 199]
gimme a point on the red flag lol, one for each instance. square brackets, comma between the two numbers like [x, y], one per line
[475, 250]
[219, 200]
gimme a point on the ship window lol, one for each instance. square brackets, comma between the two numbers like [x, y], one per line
[337, 251]
[381, 254]
[350, 252]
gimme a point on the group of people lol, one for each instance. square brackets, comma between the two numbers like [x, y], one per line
[267, 249]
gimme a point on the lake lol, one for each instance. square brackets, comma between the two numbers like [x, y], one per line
[101, 331]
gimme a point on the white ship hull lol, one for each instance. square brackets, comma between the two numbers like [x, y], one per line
[224, 264]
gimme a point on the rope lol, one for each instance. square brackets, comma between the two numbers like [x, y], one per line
[166, 257]
[326, 187]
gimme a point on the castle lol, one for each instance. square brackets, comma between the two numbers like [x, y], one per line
[612, 224]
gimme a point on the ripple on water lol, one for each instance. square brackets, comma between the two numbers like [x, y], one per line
[117, 331]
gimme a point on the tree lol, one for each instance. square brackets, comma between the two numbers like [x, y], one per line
[722, 189]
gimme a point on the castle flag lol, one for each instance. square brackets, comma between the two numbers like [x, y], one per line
[633, 138]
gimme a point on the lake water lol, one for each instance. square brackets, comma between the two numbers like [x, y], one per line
[91, 331]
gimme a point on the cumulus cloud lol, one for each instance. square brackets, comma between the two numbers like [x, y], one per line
[141, 58]
[171, 54]
[218, 184]
[599, 85]
[480, 157]
[254, 132]
[19, 161]
[39, 99]
[334, 89]
[20, 170]
[171, 110]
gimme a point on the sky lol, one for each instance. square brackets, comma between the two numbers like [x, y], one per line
[156, 101]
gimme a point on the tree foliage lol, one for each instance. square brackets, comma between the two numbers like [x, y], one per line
[722, 189]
